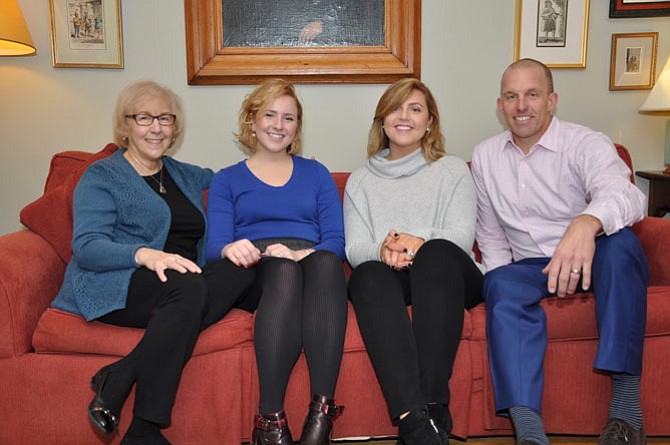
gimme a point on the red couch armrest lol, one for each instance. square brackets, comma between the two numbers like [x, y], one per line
[30, 275]
[654, 234]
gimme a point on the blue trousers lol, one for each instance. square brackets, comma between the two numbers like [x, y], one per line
[516, 324]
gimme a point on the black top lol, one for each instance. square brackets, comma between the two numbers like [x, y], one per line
[187, 226]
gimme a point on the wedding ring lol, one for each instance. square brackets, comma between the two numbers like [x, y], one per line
[410, 253]
[575, 271]
[280, 254]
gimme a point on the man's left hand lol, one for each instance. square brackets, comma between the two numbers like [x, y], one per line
[573, 256]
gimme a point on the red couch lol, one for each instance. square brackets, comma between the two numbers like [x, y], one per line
[47, 356]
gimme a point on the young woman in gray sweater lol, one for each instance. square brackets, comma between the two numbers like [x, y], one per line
[409, 216]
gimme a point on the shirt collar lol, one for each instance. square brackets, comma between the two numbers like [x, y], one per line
[548, 141]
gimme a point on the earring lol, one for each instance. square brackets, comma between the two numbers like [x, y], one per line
[428, 130]
[124, 139]
[253, 134]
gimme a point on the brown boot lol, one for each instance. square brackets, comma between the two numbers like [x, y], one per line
[318, 425]
[271, 429]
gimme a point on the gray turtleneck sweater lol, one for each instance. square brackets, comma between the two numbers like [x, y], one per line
[428, 200]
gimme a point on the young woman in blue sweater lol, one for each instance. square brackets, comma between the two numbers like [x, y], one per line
[279, 216]
[138, 261]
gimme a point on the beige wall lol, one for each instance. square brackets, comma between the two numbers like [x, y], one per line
[466, 45]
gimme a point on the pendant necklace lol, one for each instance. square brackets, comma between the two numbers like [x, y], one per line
[161, 189]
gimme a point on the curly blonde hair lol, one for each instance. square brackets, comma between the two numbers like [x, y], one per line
[432, 144]
[259, 100]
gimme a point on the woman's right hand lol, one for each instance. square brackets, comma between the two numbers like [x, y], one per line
[159, 261]
[242, 253]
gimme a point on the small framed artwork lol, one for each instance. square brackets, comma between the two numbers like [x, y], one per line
[554, 32]
[86, 34]
[639, 8]
[633, 61]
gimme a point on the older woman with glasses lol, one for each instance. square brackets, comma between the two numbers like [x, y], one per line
[138, 261]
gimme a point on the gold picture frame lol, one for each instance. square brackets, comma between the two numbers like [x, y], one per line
[554, 32]
[633, 61]
[86, 33]
[208, 62]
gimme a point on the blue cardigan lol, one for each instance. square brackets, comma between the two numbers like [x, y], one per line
[115, 213]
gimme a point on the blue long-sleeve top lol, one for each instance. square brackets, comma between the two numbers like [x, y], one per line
[115, 212]
[241, 206]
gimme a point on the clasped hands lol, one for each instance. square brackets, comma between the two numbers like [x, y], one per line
[398, 249]
[244, 253]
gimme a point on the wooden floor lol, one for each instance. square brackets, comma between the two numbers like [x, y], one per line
[555, 440]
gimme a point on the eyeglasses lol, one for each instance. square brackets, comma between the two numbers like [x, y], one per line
[145, 120]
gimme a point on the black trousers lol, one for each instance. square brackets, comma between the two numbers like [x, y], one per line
[413, 358]
[173, 314]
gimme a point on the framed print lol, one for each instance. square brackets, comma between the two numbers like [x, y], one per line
[304, 41]
[639, 8]
[554, 32]
[633, 61]
[86, 33]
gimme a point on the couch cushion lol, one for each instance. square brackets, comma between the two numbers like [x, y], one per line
[62, 332]
[50, 216]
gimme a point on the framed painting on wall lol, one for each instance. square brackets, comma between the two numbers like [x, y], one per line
[304, 41]
[86, 33]
[639, 8]
[554, 32]
[633, 61]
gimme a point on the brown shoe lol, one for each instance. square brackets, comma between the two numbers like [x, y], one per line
[318, 426]
[620, 432]
[271, 429]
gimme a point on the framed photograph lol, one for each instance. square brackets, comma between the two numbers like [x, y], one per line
[633, 61]
[304, 41]
[639, 8]
[86, 33]
[554, 32]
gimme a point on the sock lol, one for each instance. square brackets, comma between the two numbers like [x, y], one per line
[528, 425]
[625, 404]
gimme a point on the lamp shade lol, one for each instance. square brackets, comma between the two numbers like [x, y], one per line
[15, 38]
[658, 101]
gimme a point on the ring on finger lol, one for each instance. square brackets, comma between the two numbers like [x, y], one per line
[575, 271]
[410, 253]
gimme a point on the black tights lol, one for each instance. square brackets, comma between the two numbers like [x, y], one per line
[300, 305]
[173, 313]
[413, 358]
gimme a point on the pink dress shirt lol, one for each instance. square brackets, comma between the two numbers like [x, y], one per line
[526, 202]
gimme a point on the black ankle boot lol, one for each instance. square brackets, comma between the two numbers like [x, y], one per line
[441, 417]
[418, 429]
[318, 425]
[271, 429]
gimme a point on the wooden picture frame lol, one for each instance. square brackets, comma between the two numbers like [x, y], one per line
[86, 34]
[633, 61]
[554, 32]
[208, 62]
[637, 8]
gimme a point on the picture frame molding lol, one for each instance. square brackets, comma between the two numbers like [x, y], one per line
[629, 9]
[573, 55]
[617, 70]
[209, 63]
[62, 56]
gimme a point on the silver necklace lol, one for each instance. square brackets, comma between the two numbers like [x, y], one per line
[161, 189]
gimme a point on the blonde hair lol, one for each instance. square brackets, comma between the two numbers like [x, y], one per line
[259, 100]
[132, 95]
[432, 144]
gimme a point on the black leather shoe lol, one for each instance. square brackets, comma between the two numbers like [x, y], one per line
[271, 429]
[102, 418]
[318, 426]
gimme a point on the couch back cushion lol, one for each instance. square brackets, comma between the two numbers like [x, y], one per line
[50, 216]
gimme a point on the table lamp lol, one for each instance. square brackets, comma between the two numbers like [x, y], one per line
[658, 103]
[15, 38]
